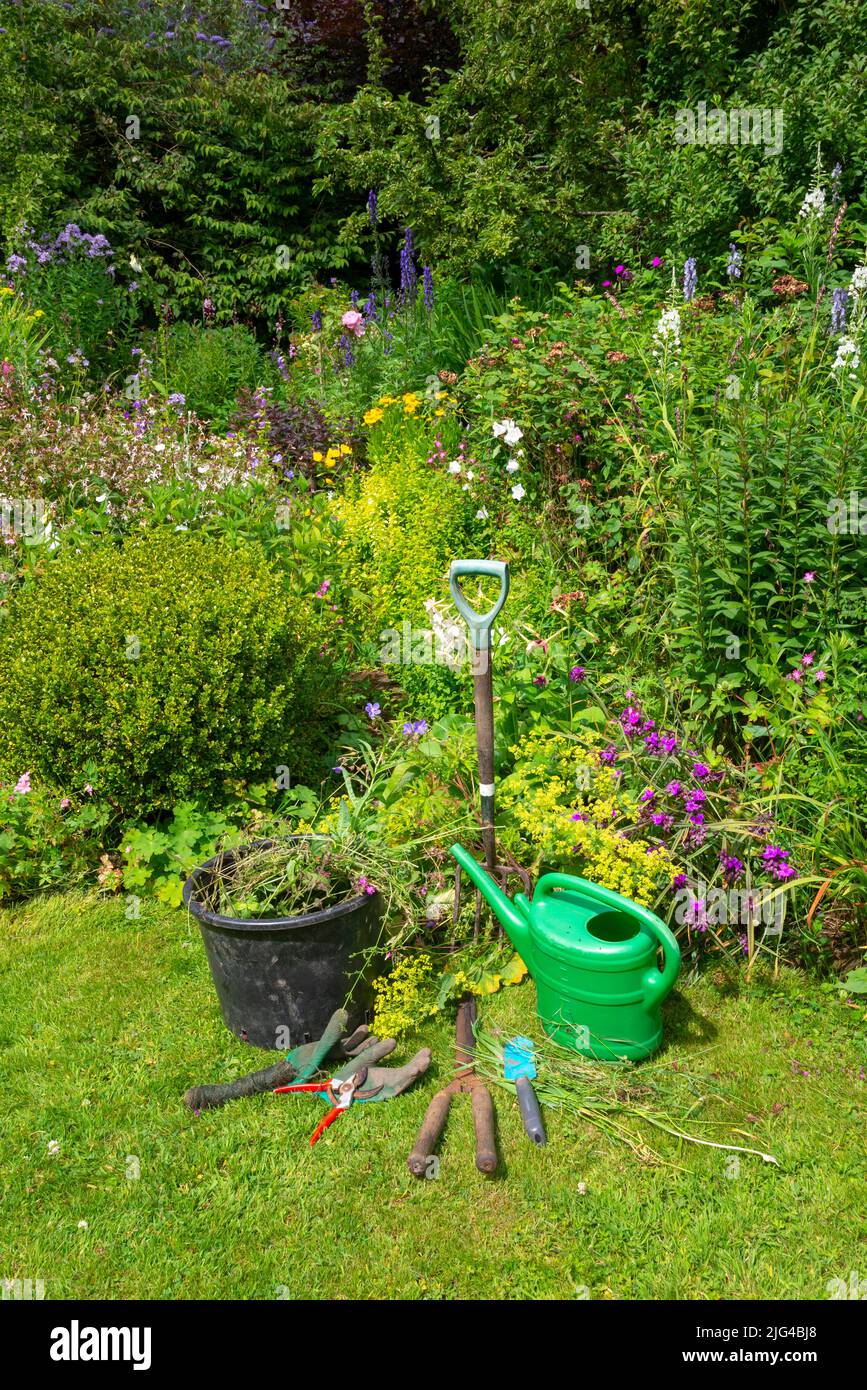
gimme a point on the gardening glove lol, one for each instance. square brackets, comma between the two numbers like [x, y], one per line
[298, 1065]
[384, 1083]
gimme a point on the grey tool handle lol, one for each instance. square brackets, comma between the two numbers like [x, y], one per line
[528, 1105]
[268, 1079]
[480, 624]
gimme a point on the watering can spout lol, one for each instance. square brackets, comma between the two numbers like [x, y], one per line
[515, 921]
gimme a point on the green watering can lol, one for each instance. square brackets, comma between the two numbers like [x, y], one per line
[593, 956]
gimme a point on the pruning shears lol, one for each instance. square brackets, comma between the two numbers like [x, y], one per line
[340, 1092]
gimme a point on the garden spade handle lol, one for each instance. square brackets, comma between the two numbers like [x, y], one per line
[480, 625]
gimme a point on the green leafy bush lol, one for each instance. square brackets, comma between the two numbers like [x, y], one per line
[174, 664]
[210, 367]
[404, 521]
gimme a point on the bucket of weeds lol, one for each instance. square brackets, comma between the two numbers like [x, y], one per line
[279, 979]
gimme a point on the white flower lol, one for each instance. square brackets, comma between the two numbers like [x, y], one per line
[53, 1146]
[508, 431]
[512, 466]
[159, 447]
[848, 357]
[666, 334]
[482, 514]
[102, 496]
[470, 475]
[518, 492]
[82, 1225]
[813, 205]
[858, 283]
[454, 467]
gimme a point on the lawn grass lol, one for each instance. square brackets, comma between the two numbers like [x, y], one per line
[104, 1022]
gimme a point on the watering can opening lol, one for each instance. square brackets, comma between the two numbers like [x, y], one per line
[612, 926]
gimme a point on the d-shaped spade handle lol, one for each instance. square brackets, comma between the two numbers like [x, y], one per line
[479, 624]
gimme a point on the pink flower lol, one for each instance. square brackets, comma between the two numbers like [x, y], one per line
[22, 786]
[809, 576]
[820, 676]
[657, 262]
[353, 321]
[65, 803]
[89, 789]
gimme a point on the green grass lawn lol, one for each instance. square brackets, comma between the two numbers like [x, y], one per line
[105, 1022]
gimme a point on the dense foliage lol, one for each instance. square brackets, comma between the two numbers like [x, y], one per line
[169, 667]
[300, 304]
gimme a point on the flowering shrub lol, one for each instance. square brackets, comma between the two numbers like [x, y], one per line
[70, 280]
[22, 338]
[577, 818]
[406, 997]
[48, 839]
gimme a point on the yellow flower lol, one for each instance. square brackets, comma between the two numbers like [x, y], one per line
[373, 416]
[411, 403]
[317, 457]
[345, 449]
[439, 412]
[387, 400]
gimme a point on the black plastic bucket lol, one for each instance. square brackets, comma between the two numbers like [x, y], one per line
[280, 979]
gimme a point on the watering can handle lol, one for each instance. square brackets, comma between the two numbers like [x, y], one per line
[656, 983]
[480, 624]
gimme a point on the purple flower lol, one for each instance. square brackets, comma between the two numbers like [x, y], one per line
[408, 272]
[673, 789]
[776, 862]
[371, 207]
[647, 795]
[541, 681]
[734, 268]
[372, 710]
[836, 177]
[679, 881]
[839, 303]
[609, 754]
[690, 279]
[316, 320]
[732, 867]
[413, 728]
[577, 674]
[630, 718]
[427, 281]
[700, 770]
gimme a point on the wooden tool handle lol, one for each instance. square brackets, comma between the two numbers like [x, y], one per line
[483, 1120]
[428, 1135]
